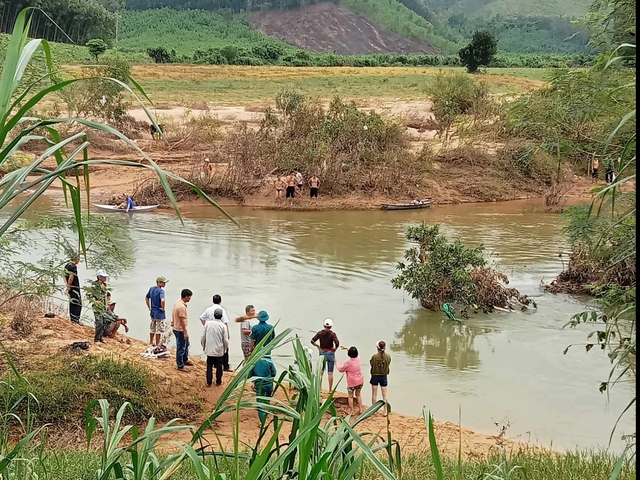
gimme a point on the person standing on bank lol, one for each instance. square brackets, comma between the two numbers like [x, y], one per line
[98, 298]
[245, 330]
[261, 330]
[72, 283]
[179, 324]
[215, 342]
[156, 305]
[329, 343]
[379, 373]
[315, 186]
[208, 314]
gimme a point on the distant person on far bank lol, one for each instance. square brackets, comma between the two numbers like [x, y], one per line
[279, 185]
[595, 168]
[300, 181]
[179, 324]
[215, 343]
[328, 345]
[208, 315]
[156, 304]
[291, 185]
[379, 373]
[72, 283]
[315, 187]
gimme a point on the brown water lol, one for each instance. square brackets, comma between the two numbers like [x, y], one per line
[304, 267]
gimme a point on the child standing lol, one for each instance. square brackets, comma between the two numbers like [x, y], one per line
[379, 372]
[355, 379]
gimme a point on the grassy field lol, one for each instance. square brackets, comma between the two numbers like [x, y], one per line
[185, 84]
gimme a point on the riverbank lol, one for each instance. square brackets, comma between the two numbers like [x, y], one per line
[186, 395]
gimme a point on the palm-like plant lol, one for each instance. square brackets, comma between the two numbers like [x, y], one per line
[18, 129]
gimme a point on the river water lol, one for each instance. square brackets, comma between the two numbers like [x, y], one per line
[503, 368]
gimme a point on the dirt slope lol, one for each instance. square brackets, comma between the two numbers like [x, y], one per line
[327, 27]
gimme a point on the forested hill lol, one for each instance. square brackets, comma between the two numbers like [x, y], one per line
[412, 25]
[521, 26]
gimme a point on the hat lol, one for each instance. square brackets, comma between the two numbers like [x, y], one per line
[102, 273]
[262, 316]
[328, 322]
[217, 313]
[207, 160]
[161, 280]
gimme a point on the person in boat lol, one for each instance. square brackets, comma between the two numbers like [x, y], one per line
[127, 204]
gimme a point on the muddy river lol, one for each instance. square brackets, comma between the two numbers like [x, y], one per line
[504, 369]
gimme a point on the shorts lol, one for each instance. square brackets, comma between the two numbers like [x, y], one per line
[354, 389]
[291, 192]
[158, 326]
[300, 186]
[594, 174]
[379, 380]
[314, 192]
[331, 360]
[246, 350]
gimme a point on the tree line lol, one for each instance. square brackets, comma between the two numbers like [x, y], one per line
[69, 21]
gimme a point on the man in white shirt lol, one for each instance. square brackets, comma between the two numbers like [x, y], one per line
[215, 343]
[209, 315]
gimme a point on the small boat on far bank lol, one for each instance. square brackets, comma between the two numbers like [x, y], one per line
[424, 203]
[136, 209]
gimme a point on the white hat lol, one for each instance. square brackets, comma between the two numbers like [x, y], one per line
[328, 322]
[102, 273]
[207, 160]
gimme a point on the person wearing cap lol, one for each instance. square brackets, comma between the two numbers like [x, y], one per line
[156, 305]
[215, 342]
[98, 298]
[261, 330]
[113, 320]
[179, 323]
[328, 345]
[208, 315]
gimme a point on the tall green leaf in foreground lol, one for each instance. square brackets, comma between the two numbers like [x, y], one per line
[17, 129]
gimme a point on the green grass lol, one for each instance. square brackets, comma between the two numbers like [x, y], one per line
[73, 465]
[65, 384]
[252, 90]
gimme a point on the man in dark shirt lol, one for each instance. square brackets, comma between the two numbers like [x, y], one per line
[72, 283]
[329, 343]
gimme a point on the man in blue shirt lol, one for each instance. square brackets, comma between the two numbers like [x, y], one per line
[265, 372]
[156, 305]
[127, 204]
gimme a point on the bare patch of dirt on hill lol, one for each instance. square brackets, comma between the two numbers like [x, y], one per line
[326, 27]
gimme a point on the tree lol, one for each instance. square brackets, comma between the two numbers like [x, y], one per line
[97, 47]
[479, 52]
[161, 55]
[437, 271]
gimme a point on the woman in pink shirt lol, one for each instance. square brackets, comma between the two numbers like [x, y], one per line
[355, 379]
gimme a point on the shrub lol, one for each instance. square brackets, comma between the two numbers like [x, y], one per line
[479, 52]
[100, 98]
[437, 271]
[454, 94]
[96, 47]
[161, 55]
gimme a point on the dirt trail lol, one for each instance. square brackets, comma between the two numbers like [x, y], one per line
[50, 335]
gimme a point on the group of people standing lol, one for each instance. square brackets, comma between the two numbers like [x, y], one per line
[327, 343]
[216, 336]
[294, 182]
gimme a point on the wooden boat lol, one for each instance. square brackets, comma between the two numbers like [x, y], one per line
[136, 209]
[424, 203]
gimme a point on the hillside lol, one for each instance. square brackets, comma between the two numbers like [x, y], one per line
[510, 8]
[327, 27]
